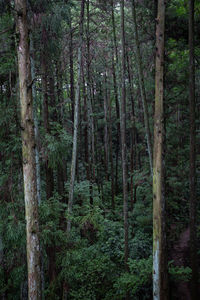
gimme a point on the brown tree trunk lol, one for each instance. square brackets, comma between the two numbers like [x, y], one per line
[160, 285]
[28, 153]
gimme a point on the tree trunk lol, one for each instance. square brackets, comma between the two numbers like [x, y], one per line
[76, 113]
[123, 138]
[28, 153]
[142, 88]
[111, 151]
[132, 135]
[160, 290]
[91, 159]
[116, 91]
[192, 179]
[106, 141]
[36, 129]
[71, 62]
[48, 170]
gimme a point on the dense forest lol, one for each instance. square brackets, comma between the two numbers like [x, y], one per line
[99, 149]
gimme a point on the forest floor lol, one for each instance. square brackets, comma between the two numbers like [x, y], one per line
[180, 256]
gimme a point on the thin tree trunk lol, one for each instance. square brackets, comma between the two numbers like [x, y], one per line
[35, 123]
[132, 135]
[123, 139]
[111, 152]
[142, 88]
[106, 142]
[71, 62]
[192, 178]
[76, 113]
[37, 158]
[48, 170]
[91, 159]
[116, 91]
[160, 289]
[28, 153]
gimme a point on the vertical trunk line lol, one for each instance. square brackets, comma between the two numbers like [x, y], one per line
[192, 175]
[76, 114]
[160, 287]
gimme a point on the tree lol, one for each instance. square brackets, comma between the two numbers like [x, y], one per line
[123, 137]
[159, 264]
[28, 153]
[142, 87]
[76, 114]
[192, 177]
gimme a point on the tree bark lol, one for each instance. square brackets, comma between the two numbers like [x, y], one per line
[132, 135]
[123, 138]
[76, 114]
[106, 141]
[160, 289]
[36, 129]
[116, 91]
[71, 62]
[192, 177]
[28, 153]
[48, 170]
[142, 88]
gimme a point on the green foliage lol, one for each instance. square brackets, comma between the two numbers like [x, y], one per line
[179, 273]
[58, 144]
[137, 282]
[51, 212]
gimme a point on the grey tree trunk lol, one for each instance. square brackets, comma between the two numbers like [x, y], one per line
[76, 114]
[36, 129]
[160, 287]
[28, 153]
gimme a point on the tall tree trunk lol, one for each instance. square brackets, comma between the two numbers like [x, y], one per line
[36, 129]
[192, 179]
[76, 114]
[106, 141]
[142, 88]
[71, 62]
[111, 152]
[48, 170]
[132, 135]
[91, 159]
[28, 153]
[123, 138]
[37, 158]
[116, 91]
[160, 290]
